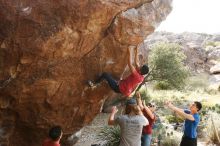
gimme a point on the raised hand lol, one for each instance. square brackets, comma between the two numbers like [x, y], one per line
[168, 104]
[138, 94]
[144, 103]
[114, 109]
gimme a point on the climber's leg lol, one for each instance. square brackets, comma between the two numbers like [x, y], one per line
[111, 81]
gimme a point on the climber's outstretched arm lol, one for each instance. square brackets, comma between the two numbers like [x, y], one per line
[131, 67]
[136, 61]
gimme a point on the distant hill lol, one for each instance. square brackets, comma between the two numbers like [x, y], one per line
[202, 50]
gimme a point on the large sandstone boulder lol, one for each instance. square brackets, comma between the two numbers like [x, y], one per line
[50, 48]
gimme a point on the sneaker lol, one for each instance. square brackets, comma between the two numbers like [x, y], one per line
[91, 84]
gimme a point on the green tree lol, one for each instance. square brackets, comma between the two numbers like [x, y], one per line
[167, 67]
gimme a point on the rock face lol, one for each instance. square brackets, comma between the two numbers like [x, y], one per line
[215, 69]
[50, 48]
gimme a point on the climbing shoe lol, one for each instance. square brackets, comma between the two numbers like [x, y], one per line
[91, 84]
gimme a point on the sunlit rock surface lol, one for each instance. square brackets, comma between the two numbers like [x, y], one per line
[50, 48]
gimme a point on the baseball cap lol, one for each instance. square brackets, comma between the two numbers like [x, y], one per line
[131, 101]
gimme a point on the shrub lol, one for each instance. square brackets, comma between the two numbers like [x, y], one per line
[213, 44]
[170, 141]
[145, 95]
[174, 119]
[166, 61]
[110, 135]
[213, 129]
[199, 81]
[162, 85]
[216, 108]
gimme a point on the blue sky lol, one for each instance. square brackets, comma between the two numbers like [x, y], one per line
[202, 16]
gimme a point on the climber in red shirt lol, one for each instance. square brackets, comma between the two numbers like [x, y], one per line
[127, 85]
[55, 135]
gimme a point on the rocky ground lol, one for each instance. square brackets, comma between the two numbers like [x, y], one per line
[89, 132]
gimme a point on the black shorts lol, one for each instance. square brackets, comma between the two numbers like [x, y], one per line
[186, 141]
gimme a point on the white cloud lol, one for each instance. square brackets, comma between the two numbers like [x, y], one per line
[193, 16]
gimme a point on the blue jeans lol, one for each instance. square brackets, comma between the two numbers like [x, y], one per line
[111, 81]
[146, 139]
